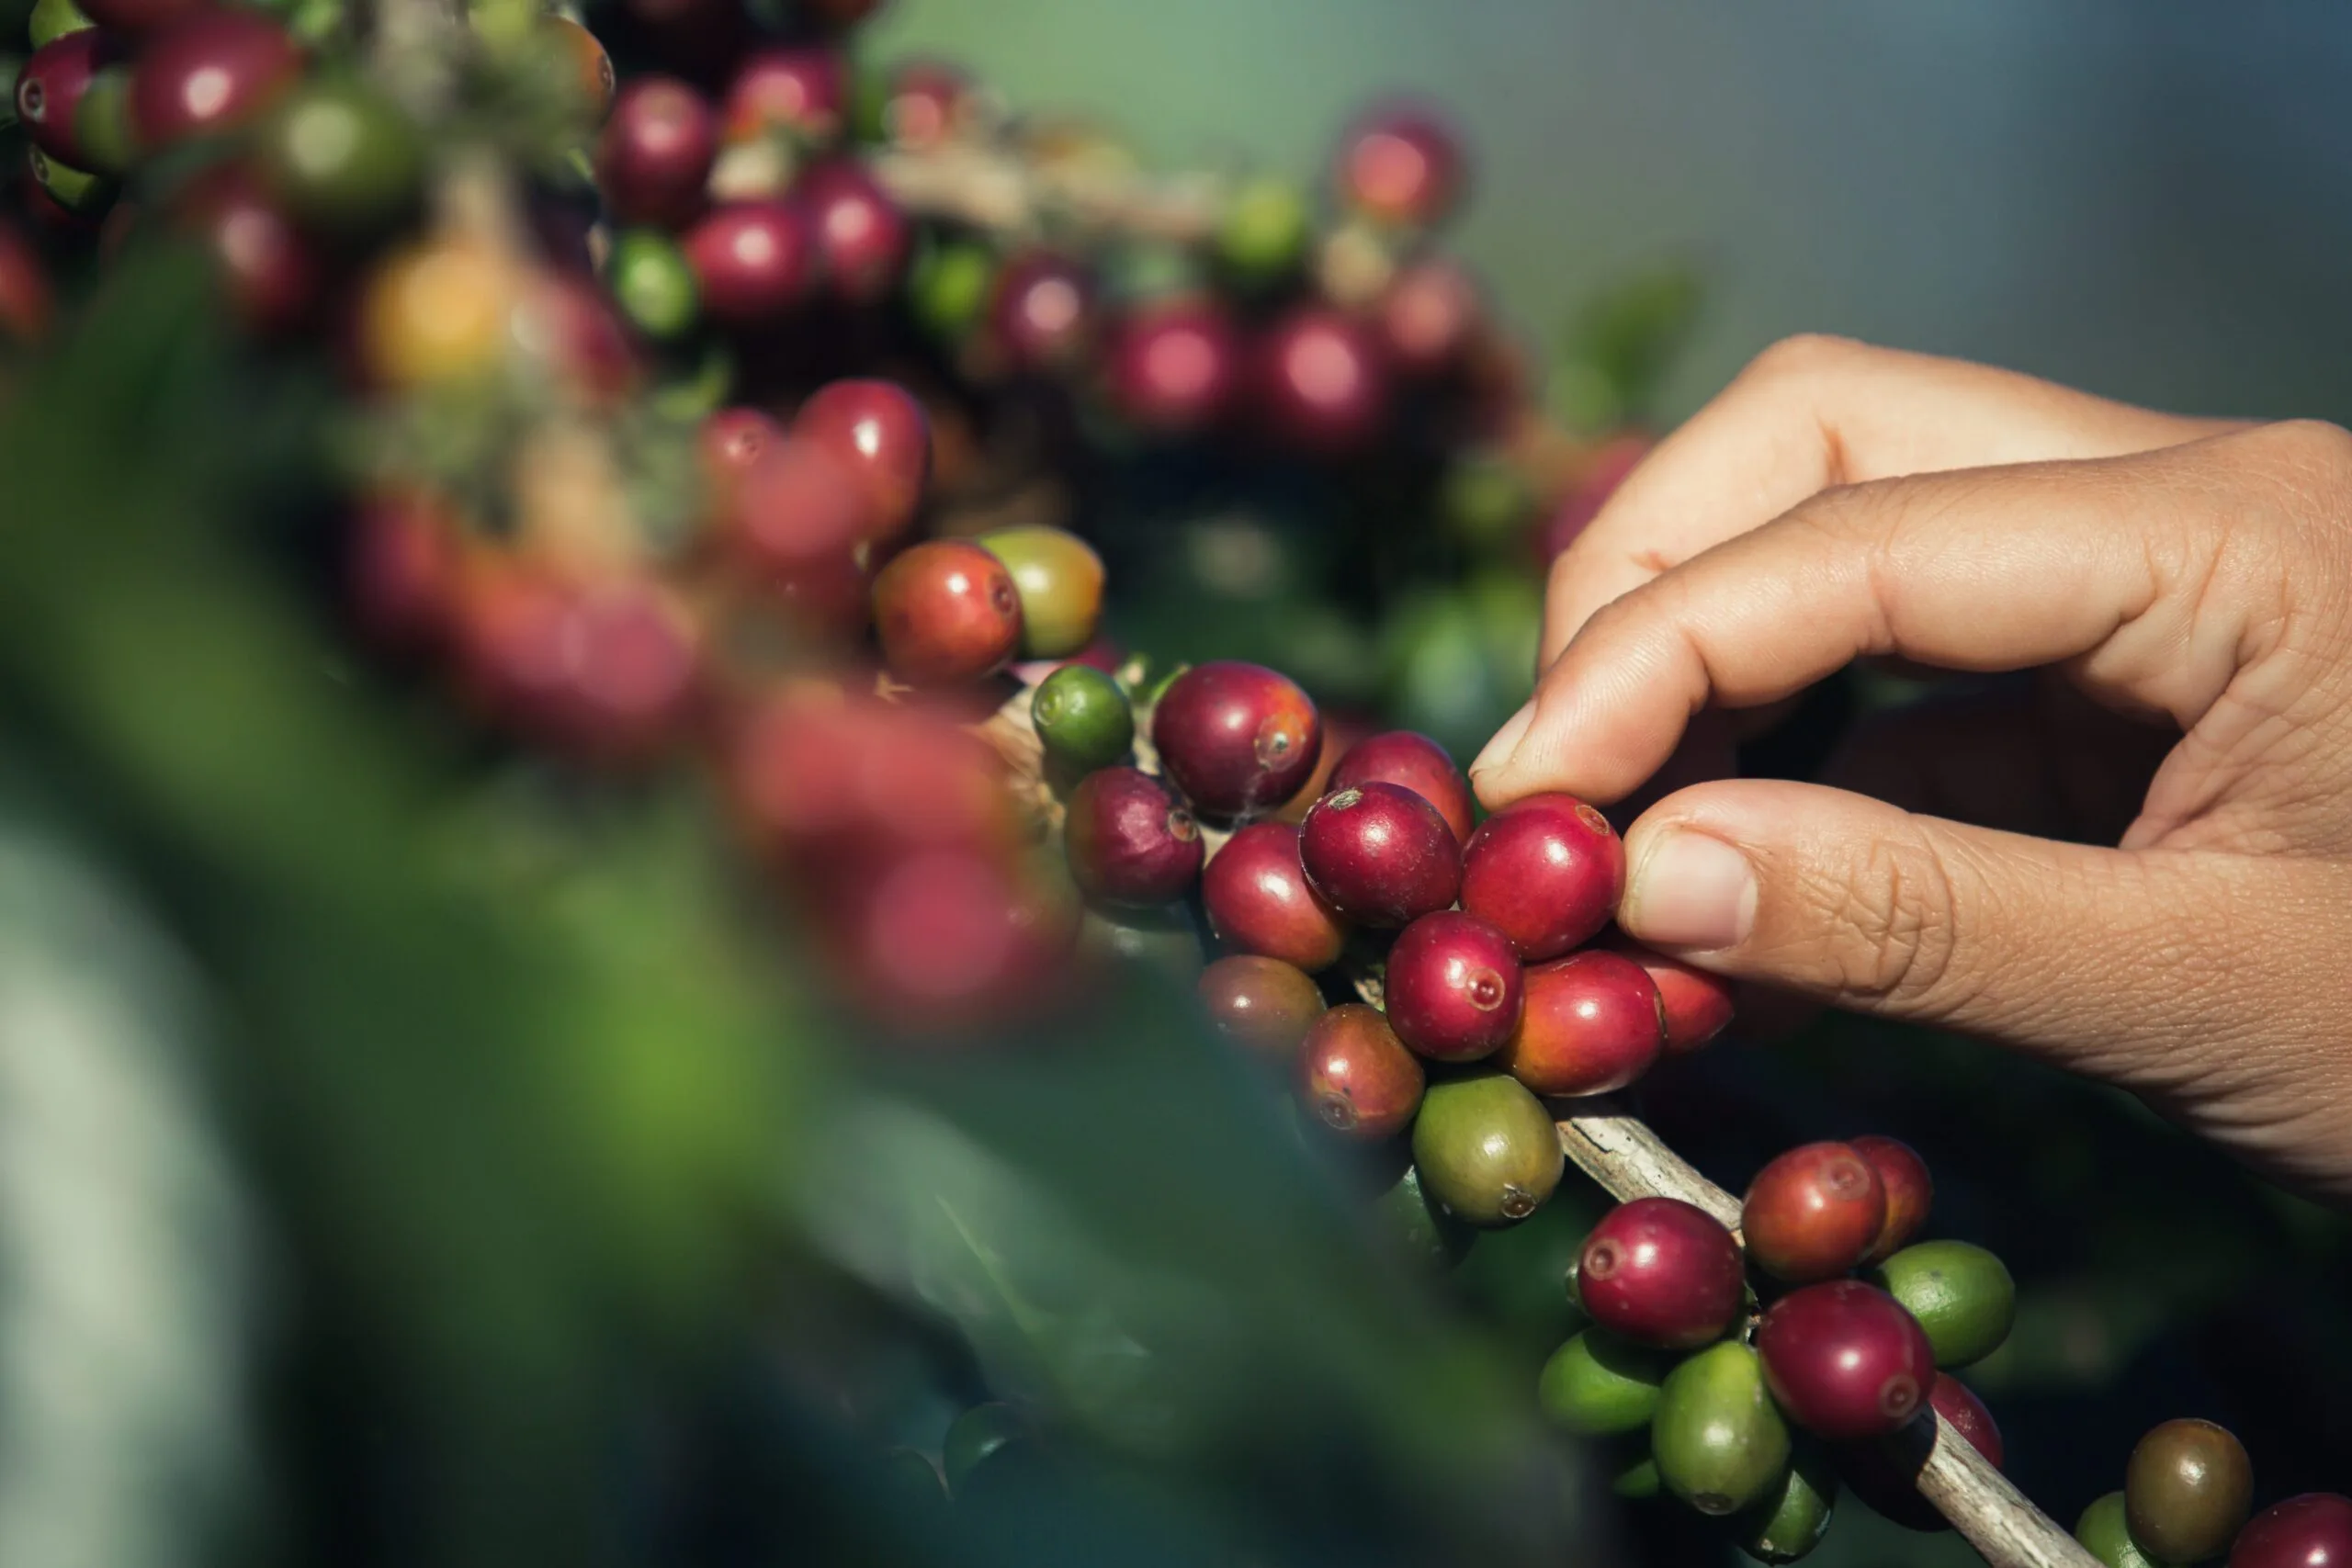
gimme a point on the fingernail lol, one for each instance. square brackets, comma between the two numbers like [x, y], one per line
[1691, 890]
[1506, 739]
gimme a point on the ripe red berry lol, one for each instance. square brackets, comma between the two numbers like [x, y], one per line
[1427, 317]
[1591, 1026]
[208, 72]
[862, 233]
[1402, 164]
[791, 504]
[1698, 1005]
[1546, 871]
[753, 262]
[402, 571]
[1885, 1472]
[1380, 854]
[1415, 761]
[925, 104]
[1452, 987]
[1356, 1077]
[654, 156]
[1260, 1004]
[796, 92]
[1662, 1272]
[880, 434]
[1812, 1213]
[947, 612]
[1238, 739]
[1322, 383]
[1041, 314]
[270, 270]
[730, 442]
[576, 328]
[50, 88]
[1844, 1360]
[1131, 844]
[1259, 900]
[1175, 367]
[2313, 1531]
[944, 939]
[1910, 1191]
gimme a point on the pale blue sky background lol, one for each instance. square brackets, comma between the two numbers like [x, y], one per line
[2150, 198]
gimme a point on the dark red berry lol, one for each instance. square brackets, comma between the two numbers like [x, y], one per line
[26, 299]
[1380, 854]
[1131, 844]
[879, 433]
[1041, 315]
[1452, 987]
[1885, 1472]
[925, 104]
[50, 88]
[1844, 1360]
[654, 156]
[730, 442]
[2187, 1490]
[1259, 900]
[1591, 1025]
[1402, 164]
[1356, 1077]
[1238, 739]
[270, 270]
[1415, 761]
[1698, 1005]
[861, 232]
[792, 504]
[1662, 1272]
[1175, 367]
[1260, 1004]
[1546, 871]
[948, 938]
[796, 92]
[207, 72]
[575, 326]
[1812, 1213]
[404, 571]
[947, 612]
[1910, 1192]
[1322, 382]
[753, 262]
[1427, 317]
[2313, 1531]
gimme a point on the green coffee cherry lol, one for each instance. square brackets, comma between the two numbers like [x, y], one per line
[1422, 1232]
[1720, 1441]
[1059, 579]
[102, 122]
[1598, 1384]
[52, 19]
[1785, 1526]
[343, 156]
[1636, 1479]
[2106, 1537]
[973, 1437]
[1487, 1148]
[1963, 1296]
[76, 190]
[1264, 232]
[1083, 720]
[948, 287]
[653, 285]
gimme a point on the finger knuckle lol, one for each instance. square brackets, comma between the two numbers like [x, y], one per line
[1803, 355]
[1893, 913]
[2312, 450]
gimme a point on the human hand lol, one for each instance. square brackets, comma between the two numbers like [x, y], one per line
[1838, 502]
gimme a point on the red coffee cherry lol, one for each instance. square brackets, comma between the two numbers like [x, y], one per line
[1414, 761]
[270, 270]
[793, 504]
[50, 88]
[1844, 1360]
[729, 443]
[795, 92]
[1237, 739]
[947, 612]
[1259, 901]
[1175, 367]
[1812, 1213]
[1041, 313]
[1910, 1191]
[404, 571]
[944, 939]
[1380, 854]
[1428, 315]
[1131, 845]
[654, 156]
[1591, 1025]
[753, 261]
[1546, 871]
[1662, 1272]
[1402, 164]
[1452, 987]
[208, 72]
[1322, 383]
[1698, 1005]
[862, 233]
[1884, 1473]
[1356, 1077]
[925, 104]
[1262, 1005]
[879, 433]
[2313, 1531]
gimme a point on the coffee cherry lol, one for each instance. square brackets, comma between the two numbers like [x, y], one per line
[435, 313]
[26, 299]
[1356, 1078]
[2313, 1531]
[1546, 871]
[1423, 1231]
[588, 69]
[1414, 761]
[1130, 843]
[1660, 1272]
[1380, 854]
[1884, 1473]
[1812, 1213]
[1910, 1191]
[1082, 720]
[654, 156]
[1963, 1296]
[1237, 739]
[1322, 384]
[1402, 165]
[799, 93]
[652, 284]
[1487, 1149]
[52, 19]
[208, 72]
[1264, 232]
[880, 434]
[1426, 315]
[269, 269]
[790, 506]
[947, 940]
[1041, 312]
[728, 445]
[1452, 987]
[1720, 1446]
[402, 570]
[1175, 367]
[1636, 1478]
[570, 326]
[1259, 900]
[2186, 1491]
[863, 235]
[754, 262]
[1061, 579]
[947, 612]
[925, 104]
[2105, 1536]
[1596, 1385]
[1786, 1525]
[1262, 1005]
[50, 88]
[1845, 1361]
[1590, 1025]
[1698, 1005]
[342, 156]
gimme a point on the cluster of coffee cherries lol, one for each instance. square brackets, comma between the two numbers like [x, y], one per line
[2187, 1493]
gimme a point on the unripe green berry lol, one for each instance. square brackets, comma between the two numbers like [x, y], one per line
[1963, 1296]
[1083, 720]
[1598, 1384]
[1722, 1444]
[2105, 1536]
[653, 284]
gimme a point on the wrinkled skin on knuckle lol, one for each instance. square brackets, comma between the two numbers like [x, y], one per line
[1876, 927]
